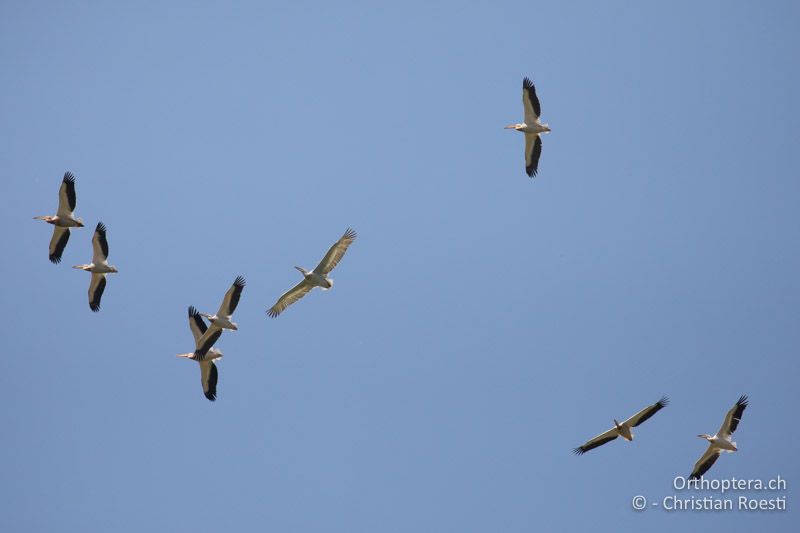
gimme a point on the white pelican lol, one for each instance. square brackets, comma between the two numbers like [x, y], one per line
[208, 370]
[99, 267]
[532, 127]
[222, 319]
[624, 429]
[63, 219]
[317, 277]
[722, 440]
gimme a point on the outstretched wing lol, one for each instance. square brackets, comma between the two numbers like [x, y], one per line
[99, 244]
[208, 378]
[289, 297]
[96, 288]
[647, 412]
[533, 150]
[336, 253]
[599, 440]
[231, 299]
[530, 102]
[705, 462]
[733, 417]
[57, 243]
[66, 195]
[196, 324]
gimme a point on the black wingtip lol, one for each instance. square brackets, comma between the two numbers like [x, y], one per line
[743, 401]
[527, 83]
[211, 397]
[192, 311]
[94, 307]
[350, 233]
[101, 228]
[69, 177]
[578, 451]
[55, 259]
[239, 281]
[663, 402]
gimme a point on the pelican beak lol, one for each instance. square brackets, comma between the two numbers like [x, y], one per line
[510, 127]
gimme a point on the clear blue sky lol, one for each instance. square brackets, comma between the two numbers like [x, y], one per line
[482, 325]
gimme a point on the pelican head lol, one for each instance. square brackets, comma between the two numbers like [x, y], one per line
[50, 219]
[704, 436]
[514, 126]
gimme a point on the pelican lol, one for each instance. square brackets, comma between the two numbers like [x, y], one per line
[722, 440]
[208, 370]
[624, 429]
[532, 127]
[222, 319]
[99, 267]
[63, 219]
[317, 277]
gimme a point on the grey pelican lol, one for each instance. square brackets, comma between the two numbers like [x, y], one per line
[99, 267]
[317, 277]
[63, 219]
[722, 440]
[624, 429]
[532, 127]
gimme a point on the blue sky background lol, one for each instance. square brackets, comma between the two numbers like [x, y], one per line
[482, 325]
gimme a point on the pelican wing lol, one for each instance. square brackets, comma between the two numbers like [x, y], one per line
[290, 297]
[208, 378]
[96, 288]
[647, 412]
[196, 324]
[66, 195]
[733, 417]
[336, 253]
[231, 299]
[599, 440]
[533, 150]
[205, 342]
[705, 462]
[99, 244]
[530, 102]
[57, 243]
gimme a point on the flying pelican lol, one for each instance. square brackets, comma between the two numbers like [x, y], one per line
[532, 127]
[63, 219]
[622, 430]
[317, 277]
[722, 440]
[222, 319]
[208, 370]
[99, 267]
